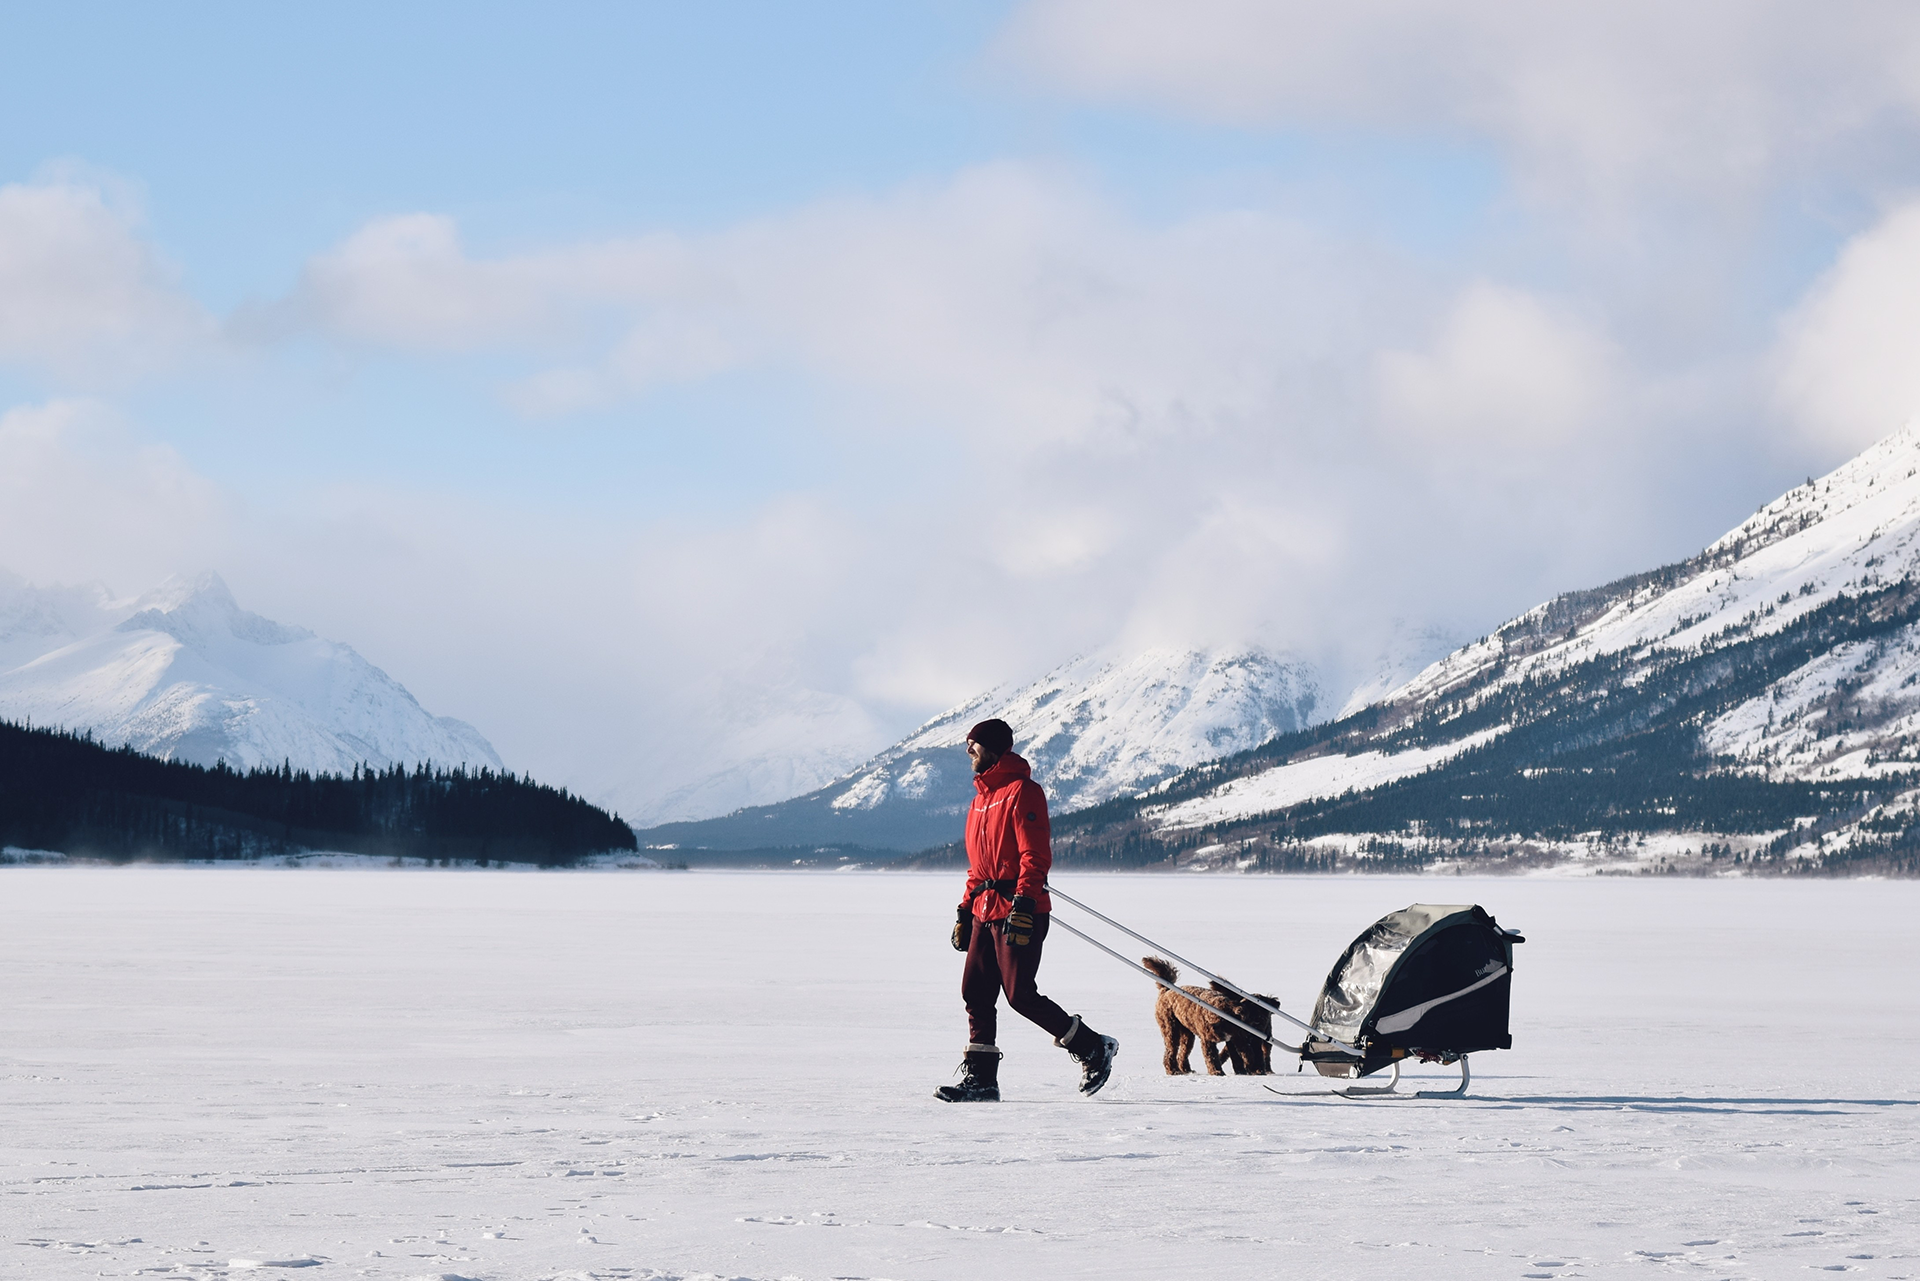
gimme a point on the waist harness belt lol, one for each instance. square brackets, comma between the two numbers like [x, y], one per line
[1004, 889]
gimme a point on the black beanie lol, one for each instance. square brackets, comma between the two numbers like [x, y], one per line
[994, 735]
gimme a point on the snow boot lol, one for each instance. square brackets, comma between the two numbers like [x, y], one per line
[1092, 1051]
[979, 1077]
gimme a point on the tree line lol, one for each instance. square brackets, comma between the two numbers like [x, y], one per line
[65, 792]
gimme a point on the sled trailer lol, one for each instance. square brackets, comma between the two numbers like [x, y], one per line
[1430, 982]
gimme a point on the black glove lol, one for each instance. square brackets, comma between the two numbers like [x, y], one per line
[962, 930]
[1020, 922]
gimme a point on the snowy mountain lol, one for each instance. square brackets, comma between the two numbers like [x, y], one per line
[38, 620]
[1408, 651]
[1093, 729]
[186, 674]
[779, 742]
[1764, 695]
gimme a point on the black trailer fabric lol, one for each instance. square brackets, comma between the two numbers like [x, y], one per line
[1433, 979]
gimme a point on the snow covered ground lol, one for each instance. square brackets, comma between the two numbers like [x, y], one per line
[1319, 776]
[505, 1075]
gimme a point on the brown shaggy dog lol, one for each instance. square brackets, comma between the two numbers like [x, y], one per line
[1191, 1015]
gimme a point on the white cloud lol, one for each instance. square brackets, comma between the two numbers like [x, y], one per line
[407, 282]
[1850, 354]
[1587, 96]
[1505, 370]
[81, 294]
[83, 497]
[1209, 429]
[1010, 304]
[1048, 543]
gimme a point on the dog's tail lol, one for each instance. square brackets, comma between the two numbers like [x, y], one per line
[1163, 968]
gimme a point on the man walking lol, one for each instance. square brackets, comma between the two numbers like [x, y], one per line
[1003, 921]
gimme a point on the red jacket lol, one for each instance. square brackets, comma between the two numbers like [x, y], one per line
[1008, 839]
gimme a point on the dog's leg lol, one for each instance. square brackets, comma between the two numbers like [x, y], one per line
[1169, 1036]
[1211, 1054]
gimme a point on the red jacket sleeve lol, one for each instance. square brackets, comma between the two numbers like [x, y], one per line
[1034, 836]
[975, 877]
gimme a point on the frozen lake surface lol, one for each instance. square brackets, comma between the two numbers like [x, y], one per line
[507, 1075]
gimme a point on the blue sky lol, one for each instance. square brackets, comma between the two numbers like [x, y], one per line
[248, 138]
[257, 134]
[638, 381]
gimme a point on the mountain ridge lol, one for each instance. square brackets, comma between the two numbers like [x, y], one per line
[1772, 676]
[184, 673]
[1097, 726]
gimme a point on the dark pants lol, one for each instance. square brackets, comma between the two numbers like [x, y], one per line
[995, 965]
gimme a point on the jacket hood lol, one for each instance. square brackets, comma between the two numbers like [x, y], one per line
[1010, 768]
